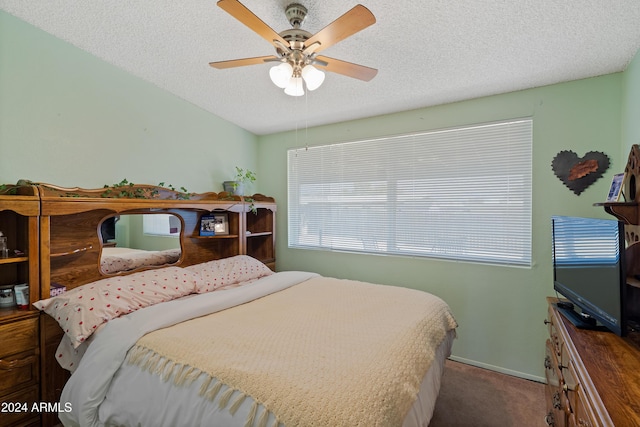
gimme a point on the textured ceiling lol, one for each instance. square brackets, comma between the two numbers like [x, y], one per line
[428, 52]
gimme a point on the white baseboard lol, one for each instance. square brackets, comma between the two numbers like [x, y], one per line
[499, 369]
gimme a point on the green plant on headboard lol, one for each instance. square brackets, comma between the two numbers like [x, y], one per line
[126, 189]
[10, 189]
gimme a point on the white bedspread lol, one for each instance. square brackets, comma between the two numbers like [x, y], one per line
[132, 381]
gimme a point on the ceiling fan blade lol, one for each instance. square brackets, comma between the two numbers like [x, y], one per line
[347, 68]
[248, 18]
[221, 65]
[356, 19]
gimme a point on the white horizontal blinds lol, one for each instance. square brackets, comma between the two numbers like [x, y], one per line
[460, 194]
[585, 241]
[161, 225]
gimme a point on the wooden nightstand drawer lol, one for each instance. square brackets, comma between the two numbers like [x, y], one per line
[18, 336]
[18, 408]
[18, 370]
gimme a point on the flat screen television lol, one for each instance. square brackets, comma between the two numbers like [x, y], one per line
[589, 271]
[108, 229]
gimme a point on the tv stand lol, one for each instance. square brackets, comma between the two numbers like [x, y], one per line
[593, 377]
[580, 321]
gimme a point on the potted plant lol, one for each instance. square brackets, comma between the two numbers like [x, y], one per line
[243, 177]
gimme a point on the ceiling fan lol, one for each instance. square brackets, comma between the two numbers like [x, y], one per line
[297, 49]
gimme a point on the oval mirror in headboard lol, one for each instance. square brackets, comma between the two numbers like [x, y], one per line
[132, 241]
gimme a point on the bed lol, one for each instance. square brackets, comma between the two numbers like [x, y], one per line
[220, 339]
[230, 343]
[117, 259]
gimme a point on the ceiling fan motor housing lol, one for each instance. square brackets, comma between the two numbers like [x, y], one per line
[295, 13]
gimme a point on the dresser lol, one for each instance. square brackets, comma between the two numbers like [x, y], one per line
[19, 370]
[593, 377]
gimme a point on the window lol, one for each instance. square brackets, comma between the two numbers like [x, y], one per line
[461, 194]
[161, 225]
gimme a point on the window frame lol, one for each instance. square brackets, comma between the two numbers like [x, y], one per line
[390, 192]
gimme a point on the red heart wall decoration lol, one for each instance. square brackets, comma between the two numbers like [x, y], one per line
[578, 173]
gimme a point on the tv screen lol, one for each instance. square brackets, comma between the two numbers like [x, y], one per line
[108, 229]
[588, 269]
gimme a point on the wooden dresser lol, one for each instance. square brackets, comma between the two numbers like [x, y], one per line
[19, 370]
[593, 377]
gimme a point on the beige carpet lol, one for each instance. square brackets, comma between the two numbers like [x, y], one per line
[476, 397]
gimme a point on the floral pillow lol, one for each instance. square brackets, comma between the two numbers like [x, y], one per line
[82, 310]
[228, 271]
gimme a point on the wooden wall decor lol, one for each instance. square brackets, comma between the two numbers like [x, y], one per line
[578, 173]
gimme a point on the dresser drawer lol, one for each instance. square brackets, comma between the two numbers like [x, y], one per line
[571, 383]
[557, 404]
[18, 336]
[18, 370]
[553, 332]
[17, 408]
[584, 416]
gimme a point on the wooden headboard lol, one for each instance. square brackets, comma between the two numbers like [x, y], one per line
[70, 220]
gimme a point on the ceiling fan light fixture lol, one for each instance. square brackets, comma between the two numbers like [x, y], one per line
[297, 49]
[312, 77]
[281, 74]
[294, 88]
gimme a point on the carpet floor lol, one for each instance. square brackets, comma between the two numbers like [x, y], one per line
[476, 397]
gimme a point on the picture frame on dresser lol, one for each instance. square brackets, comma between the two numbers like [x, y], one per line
[615, 190]
[221, 223]
[214, 224]
[207, 225]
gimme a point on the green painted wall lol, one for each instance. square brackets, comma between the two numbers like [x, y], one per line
[500, 310]
[631, 106]
[69, 118]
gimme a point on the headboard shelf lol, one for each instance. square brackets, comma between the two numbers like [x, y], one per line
[218, 236]
[13, 259]
[21, 199]
[60, 206]
[263, 233]
[58, 200]
[130, 191]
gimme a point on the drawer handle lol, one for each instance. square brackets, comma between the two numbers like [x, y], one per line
[549, 419]
[546, 322]
[557, 403]
[16, 363]
[583, 422]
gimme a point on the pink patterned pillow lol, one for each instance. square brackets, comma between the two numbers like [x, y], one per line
[228, 271]
[82, 310]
